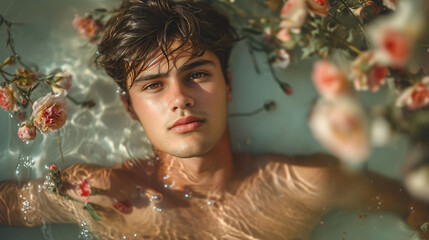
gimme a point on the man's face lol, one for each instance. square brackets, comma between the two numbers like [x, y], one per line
[182, 107]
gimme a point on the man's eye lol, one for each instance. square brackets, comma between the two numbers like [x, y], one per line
[152, 86]
[197, 75]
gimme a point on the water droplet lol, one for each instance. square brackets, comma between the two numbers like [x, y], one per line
[157, 209]
[156, 197]
[166, 177]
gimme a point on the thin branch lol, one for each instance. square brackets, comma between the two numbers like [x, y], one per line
[59, 146]
[246, 114]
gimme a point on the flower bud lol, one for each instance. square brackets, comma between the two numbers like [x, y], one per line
[27, 132]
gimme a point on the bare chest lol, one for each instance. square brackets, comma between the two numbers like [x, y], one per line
[258, 210]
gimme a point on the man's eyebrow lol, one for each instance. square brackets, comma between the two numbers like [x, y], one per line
[179, 71]
[194, 65]
[150, 77]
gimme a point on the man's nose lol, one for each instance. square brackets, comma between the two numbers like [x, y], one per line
[181, 97]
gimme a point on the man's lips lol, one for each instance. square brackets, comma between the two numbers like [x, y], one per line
[186, 124]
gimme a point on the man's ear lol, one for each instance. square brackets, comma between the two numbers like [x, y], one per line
[125, 98]
[229, 87]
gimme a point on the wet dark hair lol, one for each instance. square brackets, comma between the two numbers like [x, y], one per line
[142, 29]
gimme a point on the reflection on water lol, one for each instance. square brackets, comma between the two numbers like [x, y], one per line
[106, 135]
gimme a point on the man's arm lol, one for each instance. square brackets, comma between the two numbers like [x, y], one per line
[369, 191]
[31, 203]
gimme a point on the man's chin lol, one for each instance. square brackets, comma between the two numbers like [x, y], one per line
[191, 151]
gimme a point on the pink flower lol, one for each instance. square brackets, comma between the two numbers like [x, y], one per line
[282, 60]
[330, 81]
[53, 167]
[415, 96]
[293, 15]
[87, 27]
[27, 132]
[340, 126]
[85, 190]
[366, 73]
[396, 45]
[63, 83]
[395, 34]
[6, 99]
[49, 112]
[318, 7]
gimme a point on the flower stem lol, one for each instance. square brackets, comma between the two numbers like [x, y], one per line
[246, 114]
[342, 41]
[59, 146]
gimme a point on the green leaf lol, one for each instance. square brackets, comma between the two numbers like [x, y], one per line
[92, 212]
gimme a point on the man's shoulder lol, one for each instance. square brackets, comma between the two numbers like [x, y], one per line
[317, 168]
[315, 160]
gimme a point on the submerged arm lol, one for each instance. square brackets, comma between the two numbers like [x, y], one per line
[31, 203]
[369, 191]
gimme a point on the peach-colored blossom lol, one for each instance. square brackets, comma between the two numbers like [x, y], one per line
[329, 80]
[293, 15]
[415, 96]
[27, 132]
[283, 59]
[340, 126]
[49, 112]
[318, 7]
[366, 73]
[88, 27]
[6, 99]
[63, 83]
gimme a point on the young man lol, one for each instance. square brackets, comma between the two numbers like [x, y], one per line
[171, 59]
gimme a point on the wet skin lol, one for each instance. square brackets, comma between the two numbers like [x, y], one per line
[197, 188]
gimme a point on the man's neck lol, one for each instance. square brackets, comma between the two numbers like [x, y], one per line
[203, 174]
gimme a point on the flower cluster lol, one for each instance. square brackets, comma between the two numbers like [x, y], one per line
[48, 112]
[364, 45]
